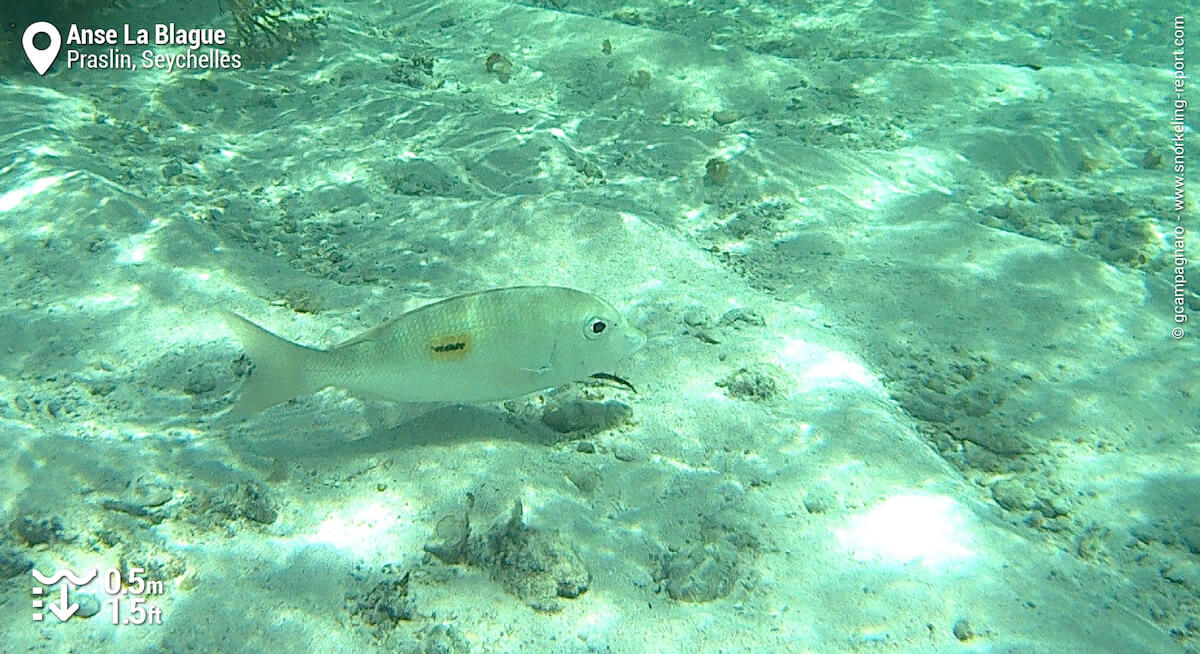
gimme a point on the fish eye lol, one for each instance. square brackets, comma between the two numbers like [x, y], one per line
[596, 326]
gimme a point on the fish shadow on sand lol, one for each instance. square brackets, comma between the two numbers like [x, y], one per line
[445, 425]
[451, 424]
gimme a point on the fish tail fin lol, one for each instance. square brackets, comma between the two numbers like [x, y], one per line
[282, 369]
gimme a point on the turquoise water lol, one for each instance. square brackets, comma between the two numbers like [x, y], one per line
[908, 276]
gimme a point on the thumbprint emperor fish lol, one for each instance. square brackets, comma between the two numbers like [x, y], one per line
[479, 347]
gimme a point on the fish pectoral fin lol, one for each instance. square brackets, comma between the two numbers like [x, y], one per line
[545, 367]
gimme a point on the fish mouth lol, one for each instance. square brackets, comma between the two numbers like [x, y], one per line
[613, 378]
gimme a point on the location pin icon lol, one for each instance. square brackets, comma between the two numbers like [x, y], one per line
[41, 59]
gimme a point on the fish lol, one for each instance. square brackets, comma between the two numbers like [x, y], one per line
[485, 346]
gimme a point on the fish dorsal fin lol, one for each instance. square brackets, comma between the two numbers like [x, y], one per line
[368, 335]
[361, 338]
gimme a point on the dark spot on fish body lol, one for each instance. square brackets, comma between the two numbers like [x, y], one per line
[450, 347]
